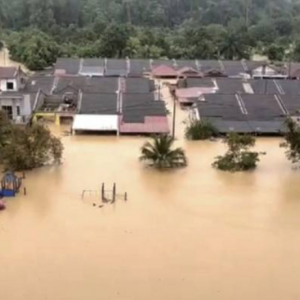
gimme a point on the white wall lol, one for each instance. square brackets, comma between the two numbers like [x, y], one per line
[3, 84]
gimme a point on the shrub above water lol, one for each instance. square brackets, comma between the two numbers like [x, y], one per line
[200, 130]
[238, 157]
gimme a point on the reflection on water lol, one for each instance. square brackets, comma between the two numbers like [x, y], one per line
[194, 233]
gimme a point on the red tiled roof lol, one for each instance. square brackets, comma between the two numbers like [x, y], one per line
[164, 71]
[150, 125]
[8, 72]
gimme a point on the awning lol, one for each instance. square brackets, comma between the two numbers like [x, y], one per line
[95, 123]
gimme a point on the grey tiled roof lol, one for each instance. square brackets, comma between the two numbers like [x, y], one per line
[263, 86]
[45, 83]
[162, 62]
[222, 106]
[8, 72]
[233, 68]
[262, 107]
[102, 104]
[207, 65]
[70, 65]
[291, 103]
[186, 63]
[230, 86]
[196, 82]
[139, 66]
[138, 106]
[139, 85]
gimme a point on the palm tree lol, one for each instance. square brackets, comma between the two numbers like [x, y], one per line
[160, 154]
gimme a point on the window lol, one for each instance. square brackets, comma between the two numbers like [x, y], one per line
[8, 110]
[18, 111]
[10, 86]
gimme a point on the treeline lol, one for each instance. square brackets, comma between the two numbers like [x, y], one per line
[38, 31]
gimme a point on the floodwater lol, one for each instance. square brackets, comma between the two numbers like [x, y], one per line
[195, 233]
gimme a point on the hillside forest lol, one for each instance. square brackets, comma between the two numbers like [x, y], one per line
[38, 31]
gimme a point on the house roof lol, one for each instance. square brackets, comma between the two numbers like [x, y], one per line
[233, 68]
[69, 66]
[138, 85]
[96, 122]
[189, 72]
[44, 83]
[150, 125]
[179, 64]
[137, 67]
[194, 92]
[98, 104]
[164, 71]
[208, 65]
[229, 86]
[291, 103]
[8, 72]
[138, 106]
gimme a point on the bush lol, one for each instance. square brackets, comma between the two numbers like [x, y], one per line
[200, 130]
[238, 156]
[30, 148]
[292, 141]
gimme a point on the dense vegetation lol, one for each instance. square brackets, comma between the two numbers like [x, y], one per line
[238, 157]
[292, 141]
[204, 29]
[200, 130]
[161, 155]
[27, 148]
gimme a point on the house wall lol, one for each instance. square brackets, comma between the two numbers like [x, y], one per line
[3, 84]
[23, 103]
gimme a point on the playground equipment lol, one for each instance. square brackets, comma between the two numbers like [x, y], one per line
[10, 185]
[106, 196]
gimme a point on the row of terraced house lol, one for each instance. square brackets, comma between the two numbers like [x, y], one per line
[121, 96]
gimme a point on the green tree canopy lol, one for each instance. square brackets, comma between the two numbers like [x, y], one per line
[238, 157]
[161, 155]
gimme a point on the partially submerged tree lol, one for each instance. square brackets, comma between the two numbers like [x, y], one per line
[200, 130]
[30, 148]
[238, 157]
[5, 129]
[161, 155]
[292, 141]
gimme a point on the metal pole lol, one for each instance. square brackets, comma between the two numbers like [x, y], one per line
[102, 191]
[114, 193]
[174, 118]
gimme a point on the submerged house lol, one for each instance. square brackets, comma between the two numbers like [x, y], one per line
[259, 114]
[15, 100]
[143, 114]
[97, 113]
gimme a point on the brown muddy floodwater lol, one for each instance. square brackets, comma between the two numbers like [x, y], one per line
[190, 234]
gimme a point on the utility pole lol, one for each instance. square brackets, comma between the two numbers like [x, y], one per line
[174, 118]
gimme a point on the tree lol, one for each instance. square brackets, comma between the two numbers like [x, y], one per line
[238, 157]
[33, 48]
[292, 141]
[114, 40]
[5, 130]
[30, 148]
[275, 52]
[160, 154]
[200, 130]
